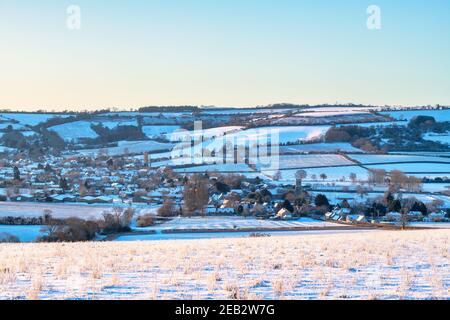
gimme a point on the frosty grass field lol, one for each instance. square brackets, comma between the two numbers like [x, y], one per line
[336, 266]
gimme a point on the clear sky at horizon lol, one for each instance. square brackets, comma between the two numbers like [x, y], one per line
[227, 53]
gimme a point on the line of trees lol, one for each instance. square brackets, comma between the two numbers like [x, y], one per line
[117, 220]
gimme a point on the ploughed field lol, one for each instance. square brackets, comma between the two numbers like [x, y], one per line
[391, 265]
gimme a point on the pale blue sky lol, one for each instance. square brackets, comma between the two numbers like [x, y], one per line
[227, 53]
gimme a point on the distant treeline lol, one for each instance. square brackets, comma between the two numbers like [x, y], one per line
[169, 109]
[191, 108]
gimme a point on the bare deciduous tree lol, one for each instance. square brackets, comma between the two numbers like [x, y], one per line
[196, 195]
[167, 209]
[377, 176]
[353, 177]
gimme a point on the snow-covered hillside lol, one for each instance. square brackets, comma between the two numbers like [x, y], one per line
[74, 131]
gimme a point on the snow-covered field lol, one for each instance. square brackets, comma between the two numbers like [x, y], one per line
[61, 211]
[14, 126]
[336, 266]
[31, 119]
[435, 187]
[438, 225]
[29, 233]
[442, 138]
[343, 110]
[320, 147]
[251, 137]
[228, 223]
[333, 174]
[337, 197]
[268, 166]
[157, 131]
[443, 168]
[265, 134]
[378, 124]
[114, 124]
[226, 167]
[283, 134]
[406, 163]
[424, 153]
[380, 158]
[311, 161]
[6, 149]
[330, 113]
[128, 147]
[185, 135]
[73, 131]
[234, 111]
[23, 233]
[439, 115]
[147, 114]
[229, 234]
[286, 162]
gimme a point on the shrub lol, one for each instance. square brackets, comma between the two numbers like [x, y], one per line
[145, 221]
[395, 206]
[420, 121]
[167, 209]
[117, 220]
[337, 135]
[305, 210]
[288, 206]
[420, 206]
[69, 230]
[321, 200]
[23, 221]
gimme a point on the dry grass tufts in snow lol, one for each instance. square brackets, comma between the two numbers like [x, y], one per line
[377, 265]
